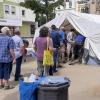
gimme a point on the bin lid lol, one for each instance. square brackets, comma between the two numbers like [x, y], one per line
[54, 81]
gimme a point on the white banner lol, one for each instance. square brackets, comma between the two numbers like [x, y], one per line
[9, 22]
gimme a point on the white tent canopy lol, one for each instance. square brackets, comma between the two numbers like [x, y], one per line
[86, 24]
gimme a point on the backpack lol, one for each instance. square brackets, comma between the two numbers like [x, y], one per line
[56, 39]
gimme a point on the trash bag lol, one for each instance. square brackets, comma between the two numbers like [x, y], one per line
[28, 90]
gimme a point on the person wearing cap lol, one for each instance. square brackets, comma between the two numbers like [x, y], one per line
[7, 56]
[19, 50]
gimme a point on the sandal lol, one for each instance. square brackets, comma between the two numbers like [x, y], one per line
[7, 87]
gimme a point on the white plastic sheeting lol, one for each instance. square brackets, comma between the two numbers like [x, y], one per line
[86, 24]
[89, 26]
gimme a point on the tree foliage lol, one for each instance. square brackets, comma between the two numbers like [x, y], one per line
[42, 7]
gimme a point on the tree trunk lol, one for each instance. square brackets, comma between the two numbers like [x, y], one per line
[47, 14]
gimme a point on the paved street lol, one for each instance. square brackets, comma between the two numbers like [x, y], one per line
[85, 82]
[68, 28]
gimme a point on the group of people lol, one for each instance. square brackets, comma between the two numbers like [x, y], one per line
[66, 47]
[11, 51]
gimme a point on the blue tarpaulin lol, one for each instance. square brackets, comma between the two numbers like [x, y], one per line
[28, 90]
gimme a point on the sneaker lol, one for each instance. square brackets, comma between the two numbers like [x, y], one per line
[55, 70]
[1, 86]
[59, 66]
[70, 63]
[16, 79]
[20, 77]
[63, 61]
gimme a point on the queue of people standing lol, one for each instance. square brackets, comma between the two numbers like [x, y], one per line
[66, 47]
[11, 51]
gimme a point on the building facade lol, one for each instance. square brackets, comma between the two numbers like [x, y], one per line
[82, 6]
[68, 5]
[28, 21]
[95, 6]
[15, 16]
[88, 6]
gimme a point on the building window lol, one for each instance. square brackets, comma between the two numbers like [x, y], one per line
[23, 12]
[85, 9]
[7, 9]
[93, 2]
[32, 29]
[70, 4]
[13, 10]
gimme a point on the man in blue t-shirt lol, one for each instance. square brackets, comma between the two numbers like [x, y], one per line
[79, 40]
[56, 44]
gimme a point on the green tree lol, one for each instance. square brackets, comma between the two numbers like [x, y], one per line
[43, 8]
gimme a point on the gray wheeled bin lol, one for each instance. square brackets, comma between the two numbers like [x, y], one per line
[53, 88]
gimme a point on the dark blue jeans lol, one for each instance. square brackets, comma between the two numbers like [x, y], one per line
[18, 68]
[4, 71]
[55, 57]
